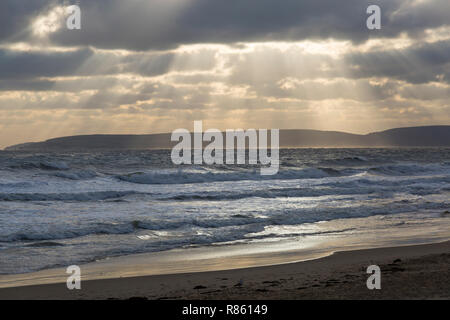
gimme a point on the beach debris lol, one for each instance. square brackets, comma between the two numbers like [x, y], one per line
[395, 262]
[199, 287]
[137, 298]
[240, 283]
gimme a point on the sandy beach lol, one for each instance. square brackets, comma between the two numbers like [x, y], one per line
[407, 272]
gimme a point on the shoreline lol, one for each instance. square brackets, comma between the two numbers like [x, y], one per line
[390, 232]
[411, 271]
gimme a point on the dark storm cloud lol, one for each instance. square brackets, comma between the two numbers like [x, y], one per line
[85, 62]
[139, 24]
[416, 64]
[162, 24]
[416, 16]
[158, 24]
[65, 85]
[19, 64]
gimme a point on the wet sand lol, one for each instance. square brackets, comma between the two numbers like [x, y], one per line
[407, 272]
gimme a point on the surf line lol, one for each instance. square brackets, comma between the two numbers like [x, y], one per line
[235, 152]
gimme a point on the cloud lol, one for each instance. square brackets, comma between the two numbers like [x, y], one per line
[153, 64]
[16, 17]
[20, 65]
[167, 24]
[145, 66]
[159, 25]
[420, 63]
[87, 62]
[26, 85]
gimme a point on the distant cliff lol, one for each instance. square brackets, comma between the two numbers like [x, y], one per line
[430, 136]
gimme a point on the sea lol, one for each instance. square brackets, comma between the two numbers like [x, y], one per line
[60, 209]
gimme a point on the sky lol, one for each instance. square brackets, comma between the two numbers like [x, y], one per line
[151, 66]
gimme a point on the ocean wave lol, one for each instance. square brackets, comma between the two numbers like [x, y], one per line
[185, 177]
[268, 194]
[210, 229]
[408, 169]
[82, 196]
[16, 185]
[350, 188]
[264, 234]
[356, 158]
[44, 165]
[127, 227]
[351, 161]
[76, 175]
[42, 244]
[389, 182]
[65, 233]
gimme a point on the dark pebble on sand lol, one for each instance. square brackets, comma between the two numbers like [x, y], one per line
[199, 287]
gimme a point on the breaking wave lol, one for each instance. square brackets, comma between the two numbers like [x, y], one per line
[184, 177]
[82, 196]
[44, 165]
